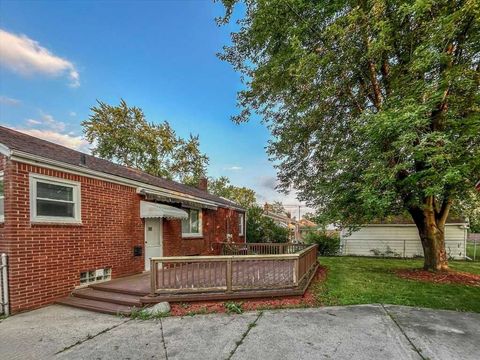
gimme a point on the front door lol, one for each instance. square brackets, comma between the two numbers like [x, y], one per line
[153, 240]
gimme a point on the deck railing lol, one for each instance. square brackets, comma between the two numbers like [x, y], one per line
[260, 248]
[230, 273]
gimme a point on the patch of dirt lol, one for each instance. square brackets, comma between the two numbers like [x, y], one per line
[208, 307]
[442, 277]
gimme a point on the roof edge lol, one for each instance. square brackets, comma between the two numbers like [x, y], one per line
[5, 150]
[32, 159]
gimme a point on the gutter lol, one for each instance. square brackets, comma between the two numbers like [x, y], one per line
[31, 159]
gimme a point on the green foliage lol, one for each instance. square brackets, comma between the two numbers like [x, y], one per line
[143, 314]
[278, 208]
[328, 245]
[310, 217]
[373, 106]
[263, 229]
[388, 253]
[473, 214]
[233, 307]
[475, 226]
[241, 195]
[122, 134]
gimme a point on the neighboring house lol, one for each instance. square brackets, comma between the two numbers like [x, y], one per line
[68, 219]
[399, 238]
[306, 226]
[284, 220]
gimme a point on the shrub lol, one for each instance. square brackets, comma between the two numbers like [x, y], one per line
[328, 245]
[233, 307]
[261, 229]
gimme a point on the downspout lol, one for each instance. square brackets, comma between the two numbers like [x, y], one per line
[5, 300]
[245, 227]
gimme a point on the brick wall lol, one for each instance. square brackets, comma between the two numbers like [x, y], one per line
[3, 246]
[45, 260]
[214, 222]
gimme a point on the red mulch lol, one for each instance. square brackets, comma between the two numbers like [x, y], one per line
[207, 307]
[442, 277]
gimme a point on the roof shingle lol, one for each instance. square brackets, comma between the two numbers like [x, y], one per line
[19, 141]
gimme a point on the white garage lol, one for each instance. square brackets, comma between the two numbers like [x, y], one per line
[399, 240]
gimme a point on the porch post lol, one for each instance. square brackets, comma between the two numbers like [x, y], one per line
[229, 275]
[295, 271]
[153, 277]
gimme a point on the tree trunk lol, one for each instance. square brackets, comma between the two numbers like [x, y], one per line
[432, 236]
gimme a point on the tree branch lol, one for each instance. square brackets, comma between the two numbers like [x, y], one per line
[444, 211]
[378, 98]
[385, 69]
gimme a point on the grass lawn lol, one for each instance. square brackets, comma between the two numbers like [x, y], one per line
[356, 280]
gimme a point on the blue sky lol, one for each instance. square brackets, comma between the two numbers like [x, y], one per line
[57, 58]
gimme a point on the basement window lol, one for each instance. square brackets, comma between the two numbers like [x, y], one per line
[95, 276]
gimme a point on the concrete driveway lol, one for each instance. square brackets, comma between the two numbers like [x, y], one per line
[350, 332]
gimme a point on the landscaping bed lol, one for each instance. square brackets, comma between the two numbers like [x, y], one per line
[308, 299]
[443, 277]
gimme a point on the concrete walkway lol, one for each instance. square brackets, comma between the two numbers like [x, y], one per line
[350, 332]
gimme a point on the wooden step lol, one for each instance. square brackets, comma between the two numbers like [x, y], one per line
[95, 305]
[108, 296]
[114, 288]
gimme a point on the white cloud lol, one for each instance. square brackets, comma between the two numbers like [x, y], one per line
[33, 122]
[72, 113]
[268, 182]
[234, 168]
[25, 56]
[5, 100]
[48, 122]
[265, 188]
[73, 142]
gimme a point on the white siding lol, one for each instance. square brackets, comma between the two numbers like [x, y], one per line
[402, 240]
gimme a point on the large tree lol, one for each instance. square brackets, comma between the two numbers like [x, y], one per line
[122, 134]
[373, 105]
[241, 195]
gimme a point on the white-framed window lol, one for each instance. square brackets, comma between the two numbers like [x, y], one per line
[54, 200]
[241, 224]
[2, 198]
[192, 226]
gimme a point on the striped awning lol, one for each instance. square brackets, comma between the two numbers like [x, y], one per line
[155, 210]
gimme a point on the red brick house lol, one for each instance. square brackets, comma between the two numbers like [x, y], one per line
[69, 219]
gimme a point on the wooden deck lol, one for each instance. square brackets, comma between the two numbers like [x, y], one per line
[244, 275]
[179, 279]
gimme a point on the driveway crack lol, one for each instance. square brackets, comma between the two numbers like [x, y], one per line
[90, 337]
[163, 340]
[244, 335]
[414, 347]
